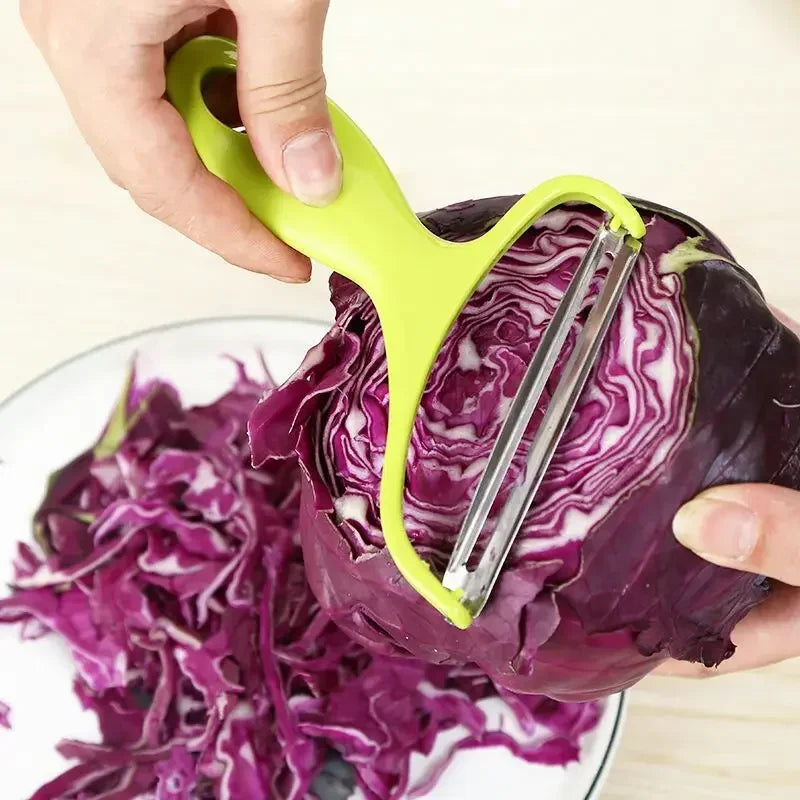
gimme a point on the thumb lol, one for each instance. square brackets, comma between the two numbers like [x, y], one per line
[750, 527]
[281, 88]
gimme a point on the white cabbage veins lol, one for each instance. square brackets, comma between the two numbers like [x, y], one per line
[634, 412]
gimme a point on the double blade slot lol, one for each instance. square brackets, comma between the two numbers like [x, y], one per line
[476, 584]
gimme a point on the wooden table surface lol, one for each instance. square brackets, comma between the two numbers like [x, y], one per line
[691, 104]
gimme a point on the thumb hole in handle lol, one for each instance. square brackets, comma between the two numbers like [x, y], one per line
[218, 88]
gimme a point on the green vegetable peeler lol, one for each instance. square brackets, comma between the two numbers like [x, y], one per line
[419, 285]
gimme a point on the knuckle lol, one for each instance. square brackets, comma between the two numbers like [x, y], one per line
[174, 208]
[291, 96]
[165, 206]
[110, 167]
[114, 178]
[167, 201]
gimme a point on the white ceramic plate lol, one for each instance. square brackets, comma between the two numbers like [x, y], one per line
[57, 416]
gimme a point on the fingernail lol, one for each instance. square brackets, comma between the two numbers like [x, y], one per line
[717, 529]
[313, 167]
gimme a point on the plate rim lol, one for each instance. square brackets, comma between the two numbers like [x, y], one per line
[612, 745]
[149, 331]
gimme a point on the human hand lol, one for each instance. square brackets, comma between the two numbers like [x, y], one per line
[755, 528]
[108, 57]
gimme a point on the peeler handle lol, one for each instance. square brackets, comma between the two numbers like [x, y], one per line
[350, 234]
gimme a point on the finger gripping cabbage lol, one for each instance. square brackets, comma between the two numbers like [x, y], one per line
[691, 390]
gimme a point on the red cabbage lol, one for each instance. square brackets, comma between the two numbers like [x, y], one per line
[686, 394]
[173, 571]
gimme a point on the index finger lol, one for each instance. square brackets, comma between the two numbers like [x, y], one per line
[144, 146]
[175, 187]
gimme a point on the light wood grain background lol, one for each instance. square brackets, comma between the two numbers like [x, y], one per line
[692, 103]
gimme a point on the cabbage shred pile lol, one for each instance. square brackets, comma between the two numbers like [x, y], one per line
[173, 571]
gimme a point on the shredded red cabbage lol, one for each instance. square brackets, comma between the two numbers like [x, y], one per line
[5, 715]
[173, 571]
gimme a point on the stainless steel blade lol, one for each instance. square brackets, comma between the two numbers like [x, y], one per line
[477, 584]
[524, 404]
